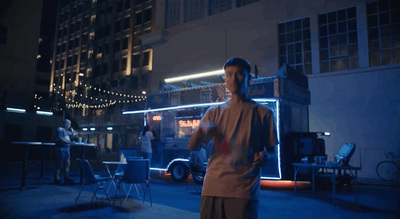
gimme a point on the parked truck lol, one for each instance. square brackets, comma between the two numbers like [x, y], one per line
[175, 114]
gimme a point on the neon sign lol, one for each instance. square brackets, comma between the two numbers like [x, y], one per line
[189, 123]
[157, 118]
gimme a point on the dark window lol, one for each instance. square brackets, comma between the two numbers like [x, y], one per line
[3, 35]
[125, 43]
[146, 57]
[136, 61]
[383, 21]
[193, 10]
[138, 18]
[295, 44]
[126, 23]
[147, 15]
[217, 6]
[172, 12]
[338, 40]
[240, 3]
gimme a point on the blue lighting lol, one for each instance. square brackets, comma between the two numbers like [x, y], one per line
[262, 101]
[15, 110]
[44, 113]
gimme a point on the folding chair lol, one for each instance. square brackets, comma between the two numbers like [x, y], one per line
[89, 178]
[345, 153]
[136, 172]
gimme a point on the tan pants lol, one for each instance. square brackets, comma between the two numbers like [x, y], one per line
[227, 208]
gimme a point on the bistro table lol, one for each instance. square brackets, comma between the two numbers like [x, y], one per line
[35, 144]
[119, 165]
[330, 171]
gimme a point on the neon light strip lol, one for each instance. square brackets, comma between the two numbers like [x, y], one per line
[170, 163]
[44, 113]
[259, 100]
[172, 108]
[15, 110]
[190, 105]
[199, 75]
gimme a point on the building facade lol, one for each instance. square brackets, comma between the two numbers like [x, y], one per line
[350, 51]
[100, 67]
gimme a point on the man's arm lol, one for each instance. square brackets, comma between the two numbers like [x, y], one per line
[196, 139]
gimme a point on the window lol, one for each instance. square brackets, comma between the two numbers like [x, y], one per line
[383, 20]
[119, 6]
[138, 18]
[116, 46]
[193, 10]
[147, 15]
[123, 64]
[295, 45]
[217, 6]
[115, 66]
[136, 61]
[3, 35]
[338, 43]
[240, 3]
[172, 11]
[125, 43]
[126, 23]
[127, 4]
[146, 57]
[117, 27]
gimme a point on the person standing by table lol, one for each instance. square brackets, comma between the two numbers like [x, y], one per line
[62, 150]
[240, 129]
[145, 137]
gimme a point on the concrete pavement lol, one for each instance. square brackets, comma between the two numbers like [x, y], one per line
[42, 199]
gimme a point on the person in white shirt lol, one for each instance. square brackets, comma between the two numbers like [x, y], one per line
[62, 151]
[198, 160]
[146, 136]
[241, 130]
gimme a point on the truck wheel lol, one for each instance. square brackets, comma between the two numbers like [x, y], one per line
[179, 172]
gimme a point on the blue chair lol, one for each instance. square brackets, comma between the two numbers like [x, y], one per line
[136, 172]
[89, 178]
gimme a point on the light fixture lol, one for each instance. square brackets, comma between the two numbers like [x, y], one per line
[15, 110]
[192, 76]
[109, 128]
[92, 129]
[84, 129]
[44, 113]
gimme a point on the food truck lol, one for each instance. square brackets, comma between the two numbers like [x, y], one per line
[175, 114]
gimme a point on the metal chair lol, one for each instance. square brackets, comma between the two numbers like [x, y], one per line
[136, 172]
[89, 178]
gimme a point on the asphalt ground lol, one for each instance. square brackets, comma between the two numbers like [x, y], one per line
[42, 199]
